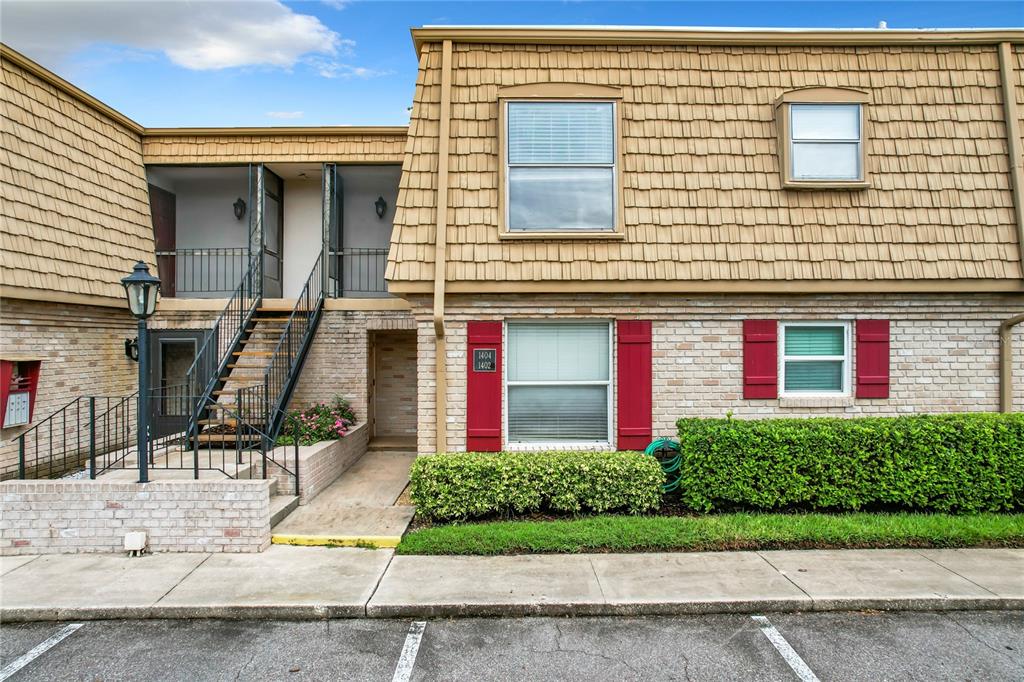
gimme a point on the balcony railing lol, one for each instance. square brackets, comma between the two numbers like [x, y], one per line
[357, 272]
[209, 273]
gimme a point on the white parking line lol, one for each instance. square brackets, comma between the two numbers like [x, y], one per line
[788, 653]
[38, 650]
[408, 658]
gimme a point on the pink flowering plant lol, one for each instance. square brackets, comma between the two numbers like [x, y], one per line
[323, 421]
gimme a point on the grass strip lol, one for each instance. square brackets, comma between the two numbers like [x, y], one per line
[718, 532]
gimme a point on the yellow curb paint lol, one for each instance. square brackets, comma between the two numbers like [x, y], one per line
[374, 541]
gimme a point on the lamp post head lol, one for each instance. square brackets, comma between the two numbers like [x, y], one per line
[141, 288]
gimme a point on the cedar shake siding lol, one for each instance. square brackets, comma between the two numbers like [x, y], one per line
[270, 145]
[704, 208]
[73, 197]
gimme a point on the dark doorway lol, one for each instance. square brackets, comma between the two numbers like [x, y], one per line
[162, 206]
[273, 234]
[172, 352]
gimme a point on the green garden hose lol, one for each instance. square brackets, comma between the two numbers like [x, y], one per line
[666, 451]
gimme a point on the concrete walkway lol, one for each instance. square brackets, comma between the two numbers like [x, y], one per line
[320, 582]
[358, 507]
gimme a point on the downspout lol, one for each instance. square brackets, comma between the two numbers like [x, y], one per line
[1013, 136]
[441, 253]
[1006, 362]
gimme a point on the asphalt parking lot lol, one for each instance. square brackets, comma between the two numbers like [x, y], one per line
[824, 646]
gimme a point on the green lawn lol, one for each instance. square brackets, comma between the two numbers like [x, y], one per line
[718, 532]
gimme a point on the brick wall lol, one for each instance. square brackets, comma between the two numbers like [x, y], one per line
[67, 517]
[394, 384]
[945, 351]
[82, 352]
[338, 361]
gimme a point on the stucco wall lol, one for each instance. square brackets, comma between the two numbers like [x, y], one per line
[944, 352]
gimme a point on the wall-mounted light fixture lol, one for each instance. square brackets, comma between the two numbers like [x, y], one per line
[239, 207]
[380, 206]
[131, 349]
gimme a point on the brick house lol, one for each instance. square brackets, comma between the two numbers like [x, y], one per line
[637, 225]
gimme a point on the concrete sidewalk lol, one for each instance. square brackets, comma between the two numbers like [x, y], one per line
[319, 582]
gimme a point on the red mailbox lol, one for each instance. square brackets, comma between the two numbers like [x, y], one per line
[19, 380]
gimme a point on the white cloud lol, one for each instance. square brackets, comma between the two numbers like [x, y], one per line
[284, 114]
[332, 68]
[202, 35]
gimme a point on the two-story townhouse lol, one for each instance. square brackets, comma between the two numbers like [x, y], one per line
[638, 225]
[604, 230]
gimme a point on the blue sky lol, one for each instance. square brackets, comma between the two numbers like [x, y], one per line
[333, 62]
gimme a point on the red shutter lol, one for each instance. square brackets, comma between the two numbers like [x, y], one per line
[483, 390]
[760, 359]
[872, 358]
[634, 384]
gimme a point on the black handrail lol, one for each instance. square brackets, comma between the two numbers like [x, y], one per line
[213, 270]
[42, 453]
[286, 358]
[357, 271]
[207, 371]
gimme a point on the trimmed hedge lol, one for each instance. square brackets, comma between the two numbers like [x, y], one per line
[464, 485]
[958, 463]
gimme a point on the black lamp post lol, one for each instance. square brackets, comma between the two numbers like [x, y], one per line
[142, 288]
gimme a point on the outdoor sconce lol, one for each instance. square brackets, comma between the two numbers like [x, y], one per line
[380, 206]
[239, 207]
[131, 349]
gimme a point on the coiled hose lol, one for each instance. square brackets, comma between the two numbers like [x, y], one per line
[666, 451]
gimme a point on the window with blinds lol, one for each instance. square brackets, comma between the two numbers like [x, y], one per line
[825, 141]
[560, 166]
[815, 358]
[558, 382]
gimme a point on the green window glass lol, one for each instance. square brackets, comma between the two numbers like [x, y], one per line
[814, 358]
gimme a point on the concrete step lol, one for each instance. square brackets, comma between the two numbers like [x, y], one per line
[281, 506]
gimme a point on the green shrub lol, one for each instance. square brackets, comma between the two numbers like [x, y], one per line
[949, 463]
[468, 484]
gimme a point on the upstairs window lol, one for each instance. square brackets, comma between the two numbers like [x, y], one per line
[560, 166]
[825, 141]
[822, 138]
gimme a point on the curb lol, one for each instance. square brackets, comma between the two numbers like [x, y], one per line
[450, 610]
[365, 541]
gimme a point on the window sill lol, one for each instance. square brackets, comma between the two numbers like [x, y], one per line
[816, 401]
[559, 447]
[825, 184]
[562, 235]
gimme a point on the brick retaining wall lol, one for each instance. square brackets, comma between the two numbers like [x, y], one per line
[321, 464]
[69, 517]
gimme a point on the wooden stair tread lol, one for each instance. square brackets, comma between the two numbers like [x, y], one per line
[254, 353]
[226, 437]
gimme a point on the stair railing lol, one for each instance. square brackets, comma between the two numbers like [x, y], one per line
[286, 359]
[213, 356]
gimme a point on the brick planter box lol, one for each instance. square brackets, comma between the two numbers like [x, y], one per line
[322, 463]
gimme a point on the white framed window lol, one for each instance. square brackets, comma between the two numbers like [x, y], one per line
[558, 383]
[815, 359]
[560, 166]
[825, 142]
